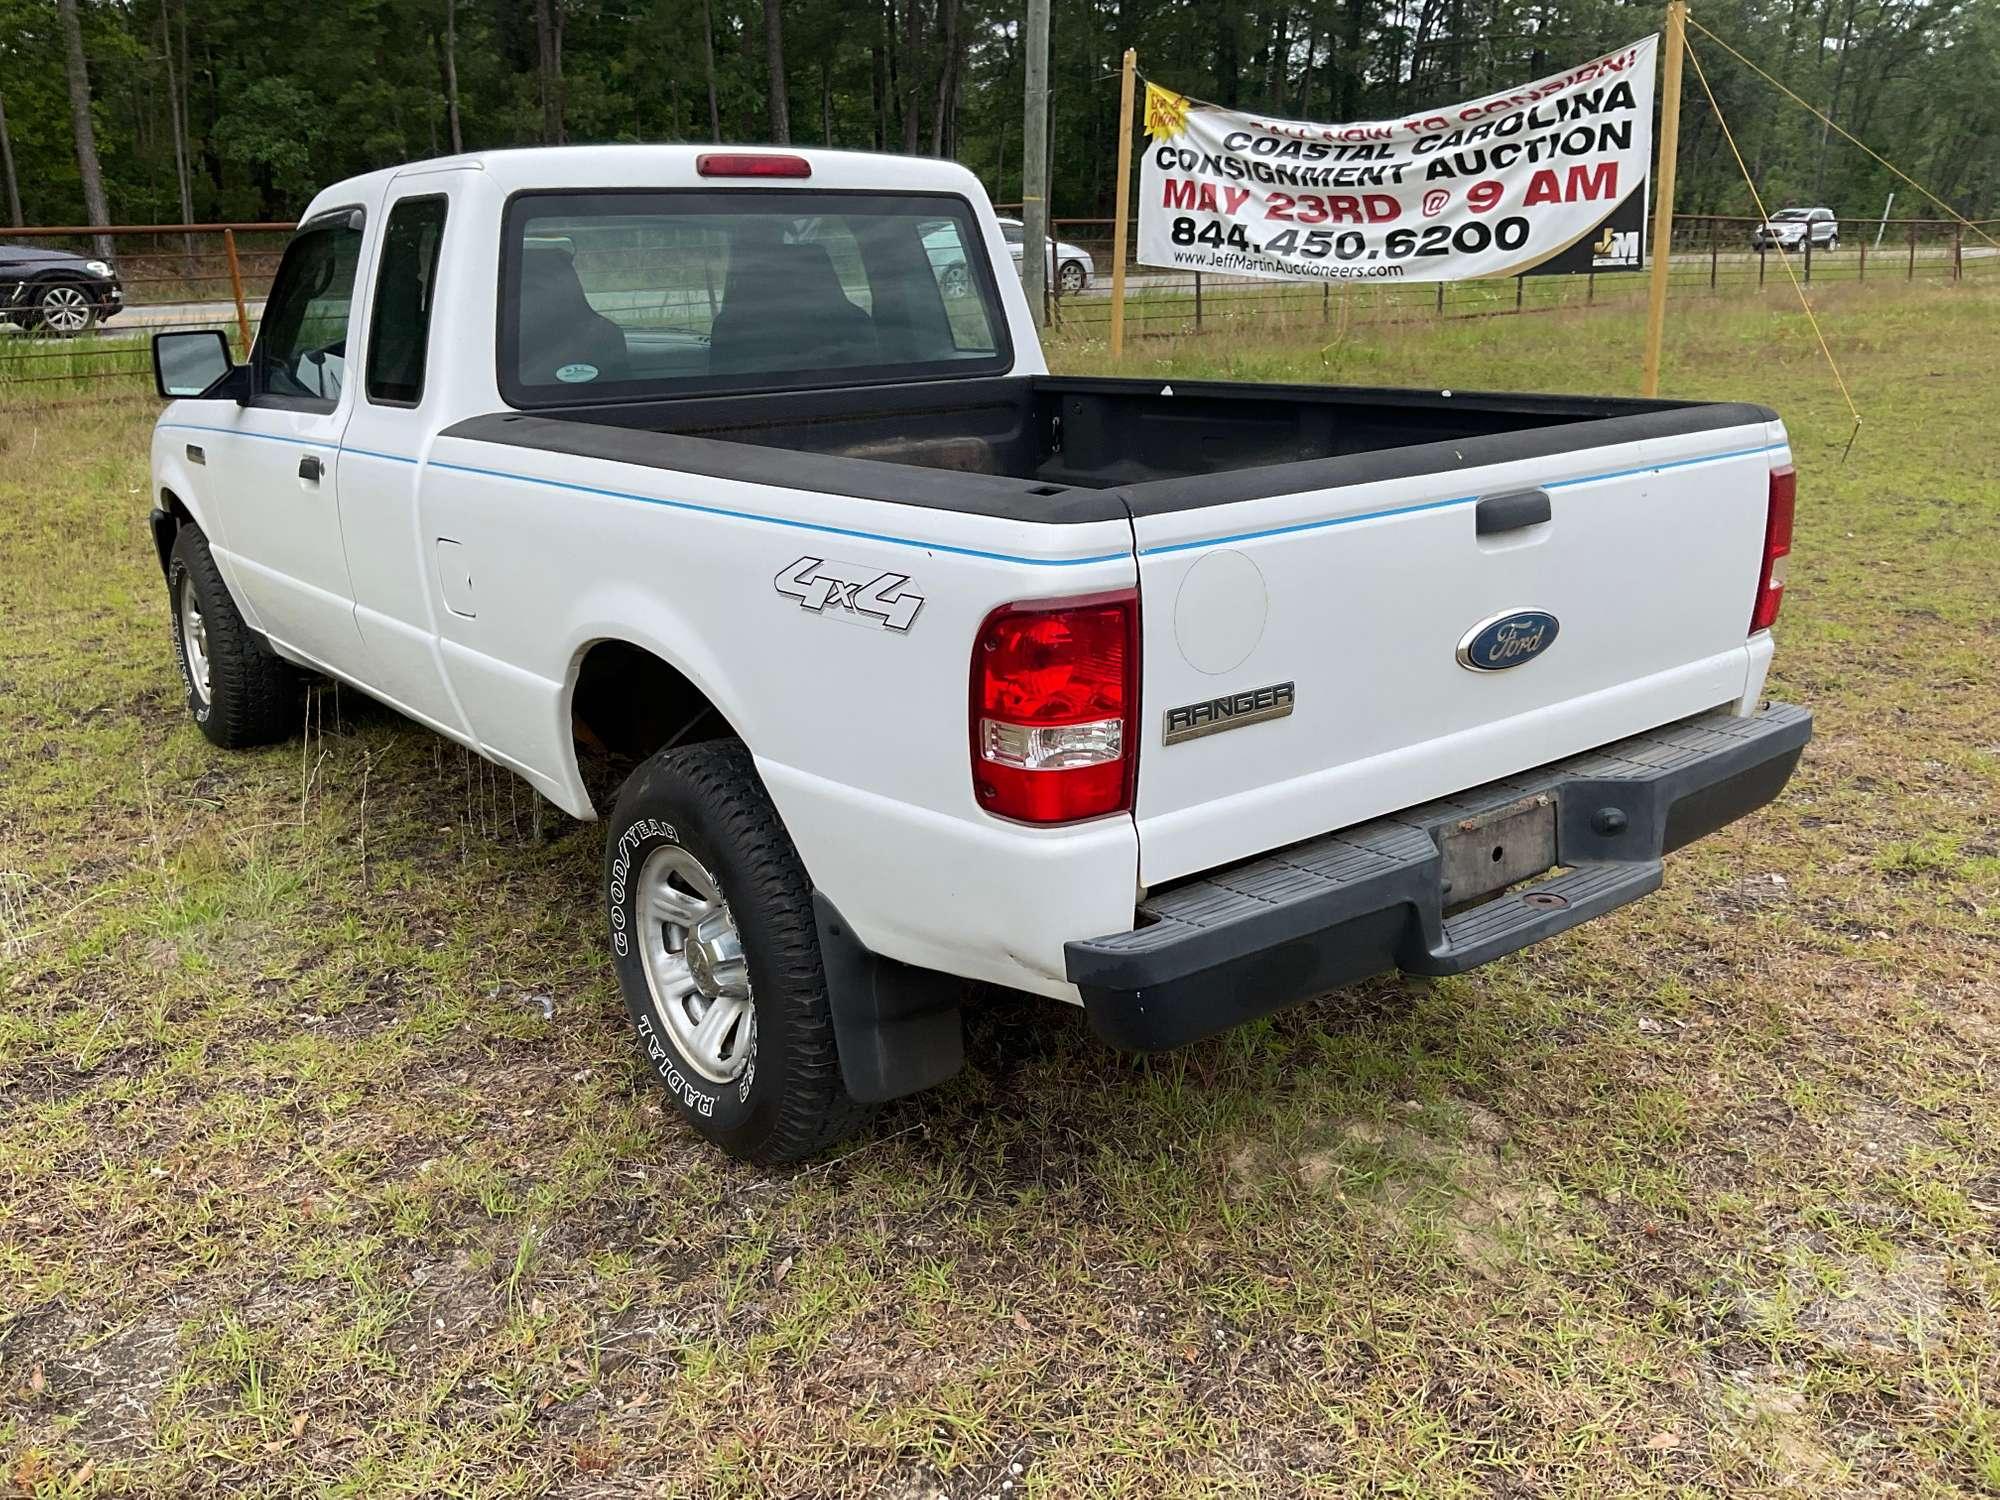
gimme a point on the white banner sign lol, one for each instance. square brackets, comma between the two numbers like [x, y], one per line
[1546, 178]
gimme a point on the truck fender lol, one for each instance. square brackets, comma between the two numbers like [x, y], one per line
[172, 510]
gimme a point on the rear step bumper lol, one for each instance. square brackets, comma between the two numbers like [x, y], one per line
[1246, 940]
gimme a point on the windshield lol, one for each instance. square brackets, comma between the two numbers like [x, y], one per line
[629, 295]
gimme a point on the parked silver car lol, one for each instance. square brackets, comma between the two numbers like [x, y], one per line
[1791, 228]
[1070, 266]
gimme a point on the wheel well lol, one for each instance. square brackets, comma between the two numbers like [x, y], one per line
[627, 705]
[168, 520]
[43, 285]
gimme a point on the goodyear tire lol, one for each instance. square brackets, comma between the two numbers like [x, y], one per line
[713, 940]
[237, 691]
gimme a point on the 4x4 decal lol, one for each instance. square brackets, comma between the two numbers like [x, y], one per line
[873, 597]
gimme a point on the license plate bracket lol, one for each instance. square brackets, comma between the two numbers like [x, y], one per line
[1490, 851]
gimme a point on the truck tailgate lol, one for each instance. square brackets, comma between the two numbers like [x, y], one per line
[1315, 659]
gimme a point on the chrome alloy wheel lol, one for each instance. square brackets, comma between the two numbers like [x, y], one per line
[693, 956]
[65, 310]
[194, 638]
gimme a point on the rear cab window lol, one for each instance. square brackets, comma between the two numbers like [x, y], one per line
[405, 291]
[631, 295]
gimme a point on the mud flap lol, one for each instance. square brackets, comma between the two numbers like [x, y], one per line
[897, 1027]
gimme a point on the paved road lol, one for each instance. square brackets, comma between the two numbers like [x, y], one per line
[159, 315]
[184, 314]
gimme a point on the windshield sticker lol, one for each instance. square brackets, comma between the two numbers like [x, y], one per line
[575, 374]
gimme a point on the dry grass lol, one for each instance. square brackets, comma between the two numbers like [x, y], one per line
[326, 1166]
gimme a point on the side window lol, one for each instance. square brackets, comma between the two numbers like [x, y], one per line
[399, 333]
[301, 352]
[1014, 234]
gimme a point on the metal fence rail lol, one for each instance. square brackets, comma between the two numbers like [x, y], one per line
[1710, 255]
[216, 276]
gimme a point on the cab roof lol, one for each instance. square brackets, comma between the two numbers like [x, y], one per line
[593, 168]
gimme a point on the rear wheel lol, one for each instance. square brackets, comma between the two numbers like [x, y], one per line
[65, 310]
[238, 692]
[1070, 279]
[717, 954]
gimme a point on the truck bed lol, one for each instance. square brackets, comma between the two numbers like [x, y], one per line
[1045, 447]
[1337, 550]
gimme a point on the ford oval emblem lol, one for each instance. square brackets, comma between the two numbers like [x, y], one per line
[1507, 640]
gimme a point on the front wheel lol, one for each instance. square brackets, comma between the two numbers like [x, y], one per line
[238, 693]
[717, 954]
[65, 310]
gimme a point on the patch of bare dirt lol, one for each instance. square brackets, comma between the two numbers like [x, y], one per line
[108, 1384]
[1486, 1205]
[1856, 1308]
[1763, 1413]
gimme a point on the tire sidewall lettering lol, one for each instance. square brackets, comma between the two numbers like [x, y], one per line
[667, 1067]
[199, 707]
[630, 842]
[637, 840]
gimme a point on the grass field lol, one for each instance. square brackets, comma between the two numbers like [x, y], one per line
[327, 1167]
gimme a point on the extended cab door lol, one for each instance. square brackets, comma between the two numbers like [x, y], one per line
[388, 558]
[275, 461]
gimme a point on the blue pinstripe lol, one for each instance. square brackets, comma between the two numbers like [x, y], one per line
[1007, 557]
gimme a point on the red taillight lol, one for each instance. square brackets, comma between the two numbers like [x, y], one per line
[1055, 701]
[751, 164]
[1777, 547]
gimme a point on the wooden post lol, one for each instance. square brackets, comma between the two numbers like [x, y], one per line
[1713, 254]
[236, 289]
[1861, 266]
[1957, 252]
[1663, 193]
[1913, 252]
[1035, 163]
[1197, 302]
[1519, 282]
[1118, 225]
[1808, 255]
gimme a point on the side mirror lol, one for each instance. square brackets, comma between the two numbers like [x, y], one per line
[192, 364]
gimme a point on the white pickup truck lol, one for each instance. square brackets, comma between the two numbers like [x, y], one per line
[725, 493]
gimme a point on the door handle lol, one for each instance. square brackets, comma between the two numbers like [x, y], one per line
[311, 468]
[1499, 513]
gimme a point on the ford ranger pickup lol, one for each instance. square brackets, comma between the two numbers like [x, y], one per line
[725, 495]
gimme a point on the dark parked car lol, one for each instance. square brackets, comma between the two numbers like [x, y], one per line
[57, 291]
